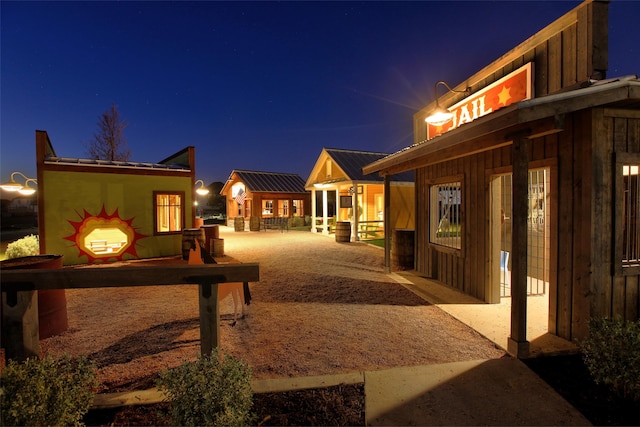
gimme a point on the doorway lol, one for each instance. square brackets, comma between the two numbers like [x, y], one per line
[538, 246]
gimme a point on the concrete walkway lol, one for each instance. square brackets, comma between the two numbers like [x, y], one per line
[496, 392]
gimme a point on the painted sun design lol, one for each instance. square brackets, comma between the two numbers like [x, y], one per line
[104, 237]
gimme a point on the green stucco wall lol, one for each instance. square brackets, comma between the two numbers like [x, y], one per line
[67, 195]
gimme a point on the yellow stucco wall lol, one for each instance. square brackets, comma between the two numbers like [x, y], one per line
[403, 206]
[67, 195]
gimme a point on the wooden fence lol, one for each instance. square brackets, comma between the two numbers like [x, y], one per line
[19, 297]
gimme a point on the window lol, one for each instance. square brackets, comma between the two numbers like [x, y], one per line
[445, 227]
[627, 214]
[169, 211]
[283, 208]
[298, 208]
[267, 207]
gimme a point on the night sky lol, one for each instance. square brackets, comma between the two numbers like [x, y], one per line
[252, 85]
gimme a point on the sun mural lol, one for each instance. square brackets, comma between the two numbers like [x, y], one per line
[104, 237]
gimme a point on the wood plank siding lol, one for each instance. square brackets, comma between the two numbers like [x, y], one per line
[582, 129]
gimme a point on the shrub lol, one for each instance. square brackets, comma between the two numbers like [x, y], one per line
[47, 392]
[215, 390]
[612, 355]
[26, 246]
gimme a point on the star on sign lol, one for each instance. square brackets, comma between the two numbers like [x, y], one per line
[504, 96]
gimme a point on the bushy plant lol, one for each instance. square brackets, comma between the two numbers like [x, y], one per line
[27, 246]
[612, 355]
[215, 390]
[47, 392]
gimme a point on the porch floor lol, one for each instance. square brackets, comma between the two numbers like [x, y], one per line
[493, 321]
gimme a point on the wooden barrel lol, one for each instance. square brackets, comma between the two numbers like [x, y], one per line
[402, 248]
[343, 231]
[217, 248]
[210, 232]
[188, 236]
[238, 223]
[52, 304]
[254, 223]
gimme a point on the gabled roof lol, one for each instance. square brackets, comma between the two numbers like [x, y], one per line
[351, 162]
[271, 182]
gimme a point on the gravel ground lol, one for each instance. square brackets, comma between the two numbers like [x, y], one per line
[320, 307]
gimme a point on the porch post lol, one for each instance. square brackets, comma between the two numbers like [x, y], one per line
[518, 345]
[387, 224]
[325, 208]
[313, 211]
[356, 213]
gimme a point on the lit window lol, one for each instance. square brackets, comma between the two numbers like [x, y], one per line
[106, 241]
[628, 212]
[445, 209]
[169, 211]
[267, 207]
[283, 208]
[298, 208]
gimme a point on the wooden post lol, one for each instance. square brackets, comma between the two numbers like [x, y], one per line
[387, 224]
[19, 297]
[20, 325]
[209, 318]
[518, 344]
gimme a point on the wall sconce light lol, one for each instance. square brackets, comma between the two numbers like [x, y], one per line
[202, 190]
[440, 115]
[26, 190]
[14, 186]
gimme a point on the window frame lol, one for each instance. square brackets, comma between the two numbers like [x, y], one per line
[449, 180]
[621, 160]
[182, 195]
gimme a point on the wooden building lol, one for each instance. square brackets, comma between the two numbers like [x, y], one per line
[340, 192]
[537, 194]
[97, 211]
[253, 194]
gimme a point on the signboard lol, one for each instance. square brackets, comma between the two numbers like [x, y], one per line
[514, 87]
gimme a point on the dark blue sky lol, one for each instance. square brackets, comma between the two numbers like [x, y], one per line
[252, 85]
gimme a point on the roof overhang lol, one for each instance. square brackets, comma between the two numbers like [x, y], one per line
[535, 117]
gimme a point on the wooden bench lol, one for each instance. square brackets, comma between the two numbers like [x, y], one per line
[280, 223]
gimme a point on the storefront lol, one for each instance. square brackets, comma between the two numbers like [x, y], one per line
[535, 195]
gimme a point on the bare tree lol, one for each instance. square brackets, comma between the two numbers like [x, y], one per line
[108, 141]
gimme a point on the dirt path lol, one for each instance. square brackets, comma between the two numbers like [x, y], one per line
[320, 307]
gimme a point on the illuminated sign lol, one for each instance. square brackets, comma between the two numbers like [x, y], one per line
[104, 237]
[514, 87]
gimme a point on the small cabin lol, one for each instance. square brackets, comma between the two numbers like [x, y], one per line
[340, 192]
[93, 211]
[261, 195]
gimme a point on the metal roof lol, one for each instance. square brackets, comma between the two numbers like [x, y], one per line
[271, 182]
[352, 162]
[114, 163]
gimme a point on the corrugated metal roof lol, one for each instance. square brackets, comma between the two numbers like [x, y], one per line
[352, 162]
[271, 182]
[113, 163]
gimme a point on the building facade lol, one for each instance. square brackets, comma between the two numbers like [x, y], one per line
[534, 196]
[93, 211]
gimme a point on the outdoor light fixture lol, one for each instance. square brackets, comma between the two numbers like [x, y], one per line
[26, 190]
[14, 186]
[202, 190]
[440, 115]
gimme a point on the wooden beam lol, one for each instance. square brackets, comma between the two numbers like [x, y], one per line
[20, 308]
[114, 277]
